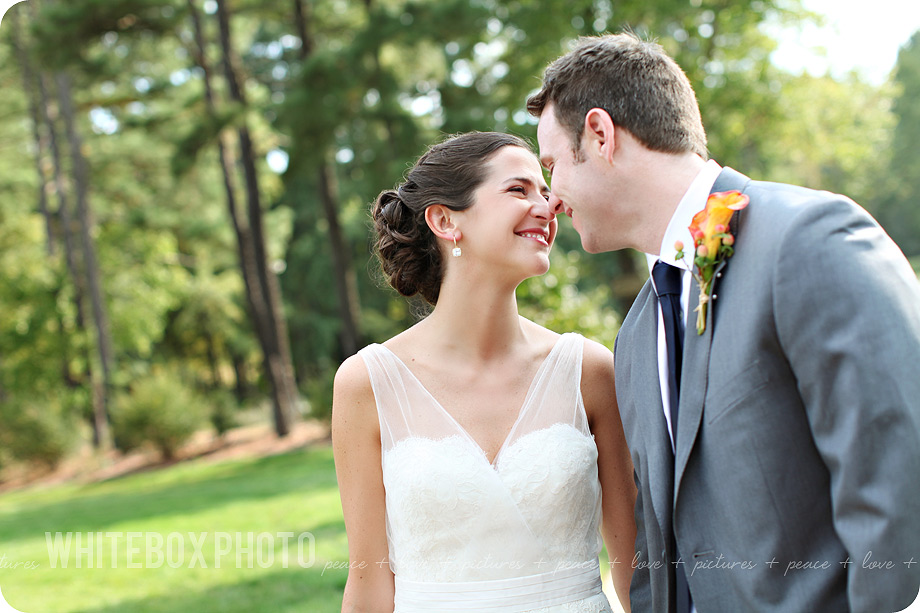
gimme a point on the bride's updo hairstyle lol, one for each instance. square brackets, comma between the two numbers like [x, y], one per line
[448, 174]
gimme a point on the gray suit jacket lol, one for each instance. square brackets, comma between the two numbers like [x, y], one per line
[798, 448]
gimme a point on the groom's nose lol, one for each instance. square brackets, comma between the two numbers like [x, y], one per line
[555, 204]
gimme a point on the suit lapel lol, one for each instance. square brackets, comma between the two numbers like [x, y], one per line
[695, 372]
[694, 380]
[730, 179]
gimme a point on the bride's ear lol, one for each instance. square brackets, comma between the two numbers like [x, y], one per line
[442, 222]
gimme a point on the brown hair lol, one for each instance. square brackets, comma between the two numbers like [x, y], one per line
[448, 174]
[642, 89]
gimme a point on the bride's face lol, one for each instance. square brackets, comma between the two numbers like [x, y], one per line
[510, 225]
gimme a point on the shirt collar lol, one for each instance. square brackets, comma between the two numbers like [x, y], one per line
[678, 228]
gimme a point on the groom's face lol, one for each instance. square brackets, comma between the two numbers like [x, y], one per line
[576, 191]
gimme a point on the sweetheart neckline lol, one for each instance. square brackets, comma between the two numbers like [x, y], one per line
[493, 465]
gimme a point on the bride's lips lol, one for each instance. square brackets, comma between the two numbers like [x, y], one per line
[540, 235]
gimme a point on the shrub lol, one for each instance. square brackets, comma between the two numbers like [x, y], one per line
[223, 414]
[318, 391]
[161, 410]
[36, 431]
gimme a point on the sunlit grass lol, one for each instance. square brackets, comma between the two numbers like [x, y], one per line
[198, 504]
[202, 504]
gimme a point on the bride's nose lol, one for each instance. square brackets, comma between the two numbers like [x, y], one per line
[542, 210]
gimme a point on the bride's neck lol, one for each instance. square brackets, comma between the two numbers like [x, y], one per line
[477, 322]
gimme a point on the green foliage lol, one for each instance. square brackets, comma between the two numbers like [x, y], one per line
[36, 430]
[203, 135]
[370, 88]
[160, 409]
[555, 301]
[899, 211]
[915, 264]
[223, 413]
[833, 136]
[207, 322]
[63, 29]
[319, 395]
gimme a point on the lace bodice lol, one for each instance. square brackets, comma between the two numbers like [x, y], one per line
[452, 516]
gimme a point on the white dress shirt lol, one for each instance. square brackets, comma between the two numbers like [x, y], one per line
[694, 201]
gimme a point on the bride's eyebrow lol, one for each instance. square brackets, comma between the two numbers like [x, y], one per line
[543, 187]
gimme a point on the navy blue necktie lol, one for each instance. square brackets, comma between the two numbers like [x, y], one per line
[668, 287]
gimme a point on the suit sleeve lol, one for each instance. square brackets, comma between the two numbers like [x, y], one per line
[847, 310]
[640, 589]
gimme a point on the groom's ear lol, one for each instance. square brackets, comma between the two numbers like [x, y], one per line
[599, 134]
[440, 220]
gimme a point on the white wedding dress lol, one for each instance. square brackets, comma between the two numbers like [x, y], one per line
[517, 534]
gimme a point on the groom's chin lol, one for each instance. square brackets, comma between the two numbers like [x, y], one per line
[591, 245]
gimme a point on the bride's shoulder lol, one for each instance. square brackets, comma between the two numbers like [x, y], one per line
[594, 353]
[595, 356]
[409, 343]
[539, 335]
[352, 392]
[597, 363]
[598, 389]
[355, 372]
[352, 375]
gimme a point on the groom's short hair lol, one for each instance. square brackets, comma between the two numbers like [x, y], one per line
[642, 89]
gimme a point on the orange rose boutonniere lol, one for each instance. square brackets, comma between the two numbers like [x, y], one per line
[713, 244]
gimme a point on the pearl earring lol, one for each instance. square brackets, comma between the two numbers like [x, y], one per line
[456, 251]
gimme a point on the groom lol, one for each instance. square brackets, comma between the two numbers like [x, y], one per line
[775, 439]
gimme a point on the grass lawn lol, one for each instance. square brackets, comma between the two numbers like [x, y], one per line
[176, 540]
[167, 540]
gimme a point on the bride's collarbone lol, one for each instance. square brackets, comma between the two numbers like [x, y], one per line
[484, 397]
[493, 381]
[486, 403]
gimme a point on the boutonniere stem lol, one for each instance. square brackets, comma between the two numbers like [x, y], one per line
[713, 244]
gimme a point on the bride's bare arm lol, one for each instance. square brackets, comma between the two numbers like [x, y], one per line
[356, 445]
[614, 465]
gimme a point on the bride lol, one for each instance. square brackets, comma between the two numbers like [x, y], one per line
[480, 456]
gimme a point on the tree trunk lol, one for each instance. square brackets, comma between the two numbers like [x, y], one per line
[241, 385]
[39, 100]
[71, 258]
[213, 364]
[28, 82]
[225, 160]
[626, 285]
[346, 284]
[99, 420]
[302, 23]
[262, 291]
[90, 265]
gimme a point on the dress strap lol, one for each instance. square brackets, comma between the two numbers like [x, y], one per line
[555, 394]
[568, 584]
[394, 398]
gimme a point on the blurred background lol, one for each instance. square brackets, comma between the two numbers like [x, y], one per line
[185, 255]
